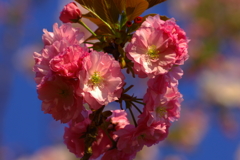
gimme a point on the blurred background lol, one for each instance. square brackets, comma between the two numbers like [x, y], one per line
[209, 127]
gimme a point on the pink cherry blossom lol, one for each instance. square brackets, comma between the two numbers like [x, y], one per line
[69, 62]
[101, 79]
[70, 13]
[119, 119]
[162, 107]
[160, 82]
[75, 83]
[152, 134]
[174, 75]
[74, 138]
[128, 141]
[56, 47]
[59, 99]
[42, 59]
[175, 33]
[132, 139]
[66, 33]
[156, 46]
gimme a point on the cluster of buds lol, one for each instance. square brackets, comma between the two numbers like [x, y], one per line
[76, 80]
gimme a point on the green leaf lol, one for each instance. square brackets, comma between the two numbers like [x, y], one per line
[123, 20]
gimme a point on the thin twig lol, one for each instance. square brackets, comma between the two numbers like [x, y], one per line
[134, 120]
[128, 88]
[139, 102]
[106, 132]
[134, 105]
[121, 105]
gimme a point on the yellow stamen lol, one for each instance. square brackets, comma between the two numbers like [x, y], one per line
[95, 79]
[153, 53]
[64, 92]
[141, 137]
[161, 112]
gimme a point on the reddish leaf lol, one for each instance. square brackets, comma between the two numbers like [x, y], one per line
[134, 8]
[93, 18]
[105, 10]
[154, 2]
[121, 5]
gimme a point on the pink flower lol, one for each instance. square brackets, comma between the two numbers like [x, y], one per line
[175, 33]
[70, 13]
[75, 135]
[66, 33]
[42, 66]
[174, 75]
[42, 59]
[153, 134]
[101, 79]
[128, 141]
[156, 46]
[160, 82]
[162, 107]
[69, 62]
[59, 99]
[119, 119]
[56, 47]
[132, 140]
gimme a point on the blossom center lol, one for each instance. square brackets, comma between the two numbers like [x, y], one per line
[153, 52]
[141, 136]
[161, 112]
[63, 92]
[96, 79]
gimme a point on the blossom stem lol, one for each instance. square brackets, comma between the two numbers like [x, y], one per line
[106, 132]
[92, 133]
[131, 112]
[89, 42]
[134, 105]
[128, 88]
[84, 25]
[121, 105]
[131, 70]
[139, 102]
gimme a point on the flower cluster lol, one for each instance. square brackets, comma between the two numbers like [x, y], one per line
[75, 82]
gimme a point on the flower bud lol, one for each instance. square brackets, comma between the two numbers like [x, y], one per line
[129, 24]
[70, 13]
[122, 62]
[138, 20]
